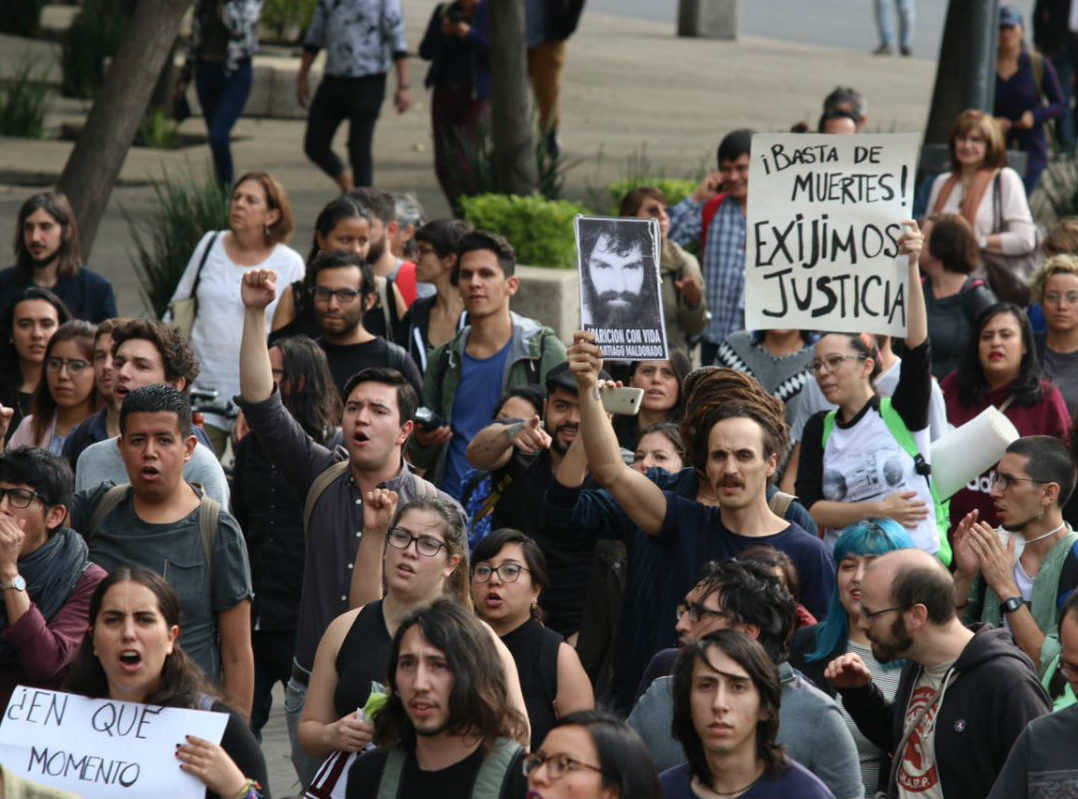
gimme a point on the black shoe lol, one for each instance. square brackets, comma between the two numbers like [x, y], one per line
[906, 51]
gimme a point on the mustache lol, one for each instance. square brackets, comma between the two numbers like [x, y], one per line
[619, 296]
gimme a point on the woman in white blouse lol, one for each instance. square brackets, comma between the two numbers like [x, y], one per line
[983, 189]
[259, 225]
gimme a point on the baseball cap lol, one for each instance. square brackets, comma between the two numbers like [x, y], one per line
[1010, 17]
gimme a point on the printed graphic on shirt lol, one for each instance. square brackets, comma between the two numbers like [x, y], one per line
[873, 474]
[917, 774]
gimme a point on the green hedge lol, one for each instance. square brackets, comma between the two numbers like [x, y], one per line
[675, 190]
[288, 18]
[541, 230]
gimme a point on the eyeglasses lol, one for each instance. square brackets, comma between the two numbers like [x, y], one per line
[18, 497]
[344, 296]
[507, 572]
[697, 611]
[1006, 481]
[833, 362]
[557, 766]
[1055, 298]
[424, 544]
[871, 614]
[74, 365]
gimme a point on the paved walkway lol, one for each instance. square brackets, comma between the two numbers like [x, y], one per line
[636, 100]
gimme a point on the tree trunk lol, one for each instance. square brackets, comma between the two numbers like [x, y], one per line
[94, 165]
[515, 170]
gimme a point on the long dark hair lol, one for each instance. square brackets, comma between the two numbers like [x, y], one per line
[479, 700]
[1028, 386]
[335, 211]
[182, 682]
[43, 406]
[68, 259]
[752, 657]
[624, 761]
[312, 398]
[9, 359]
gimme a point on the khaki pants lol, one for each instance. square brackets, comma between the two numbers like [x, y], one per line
[545, 62]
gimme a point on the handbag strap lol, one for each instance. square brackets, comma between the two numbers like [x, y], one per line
[997, 203]
[202, 263]
[896, 757]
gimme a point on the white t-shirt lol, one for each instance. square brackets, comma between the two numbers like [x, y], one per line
[864, 463]
[219, 323]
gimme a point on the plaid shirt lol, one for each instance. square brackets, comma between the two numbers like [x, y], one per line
[723, 262]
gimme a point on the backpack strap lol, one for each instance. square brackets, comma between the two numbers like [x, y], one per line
[209, 514]
[106, 505]
[494, 771]
[828, 427]
[389, 785]
[780, 502]
[398, 357]
[318, 488]
[707, 215]
[382, 289]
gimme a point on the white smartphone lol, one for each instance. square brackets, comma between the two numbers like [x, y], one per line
[623, 401]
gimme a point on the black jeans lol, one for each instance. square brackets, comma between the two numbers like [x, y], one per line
[273, 663]
[359, 100]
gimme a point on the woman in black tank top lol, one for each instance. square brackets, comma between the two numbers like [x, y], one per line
[425, 557]
[507, 578]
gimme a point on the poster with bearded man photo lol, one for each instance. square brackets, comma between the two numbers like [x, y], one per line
[620, 300]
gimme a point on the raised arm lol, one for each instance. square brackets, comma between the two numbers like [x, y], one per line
[258, 290]
[910, 243]
[642, 500]
[493, 446]
[379, 506]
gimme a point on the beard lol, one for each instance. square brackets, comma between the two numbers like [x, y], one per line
[377, 249]
[897, 647]
[555, 442]
[625, 313]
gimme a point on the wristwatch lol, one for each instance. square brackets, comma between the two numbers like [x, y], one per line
[1012, 604]
[18, 583]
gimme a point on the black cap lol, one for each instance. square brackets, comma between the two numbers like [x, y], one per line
[561, 376]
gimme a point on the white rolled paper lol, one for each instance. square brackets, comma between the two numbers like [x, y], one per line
[969, 450]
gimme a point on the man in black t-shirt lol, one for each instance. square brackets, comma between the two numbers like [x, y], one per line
[343, 292]
[522, 457]
[447, 728]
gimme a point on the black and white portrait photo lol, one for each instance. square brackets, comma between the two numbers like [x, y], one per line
[619, 286]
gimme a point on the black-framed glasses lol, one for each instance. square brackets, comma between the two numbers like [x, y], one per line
[424, 544]
[833, 362]
[871, 614]
[507, 572]
[697, 611]
[18, 497]
[344, 296]
[1006, 481]
[74, 365]
[557, 766]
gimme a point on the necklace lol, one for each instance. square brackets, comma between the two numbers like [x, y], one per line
[1046, 535]
[736, 791]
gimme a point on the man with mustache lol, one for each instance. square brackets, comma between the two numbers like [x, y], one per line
[523, 456]
[619, 277]
[963, 697]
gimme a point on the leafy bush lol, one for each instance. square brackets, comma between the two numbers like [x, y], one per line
[541, 230]
[22, 104]
[157, 130]
[287, 18]
[94, 36]
[186, 208]
[21, 17]
[675, 189]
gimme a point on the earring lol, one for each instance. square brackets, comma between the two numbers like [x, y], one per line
[534, 606]
[266, 231]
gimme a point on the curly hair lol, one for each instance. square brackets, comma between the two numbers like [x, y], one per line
[1061, 264]
[178, 357]
[457, 585]
[717, 394]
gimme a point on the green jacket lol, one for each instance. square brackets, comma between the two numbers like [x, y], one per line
[533, 351]
[1047, 597]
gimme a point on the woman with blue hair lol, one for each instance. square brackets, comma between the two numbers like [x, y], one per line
[814, 647]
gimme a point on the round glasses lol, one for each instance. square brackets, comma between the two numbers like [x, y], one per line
[74, 365]
[424, 544]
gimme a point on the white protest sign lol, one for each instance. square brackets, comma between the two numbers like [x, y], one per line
[824, 217]
[100, 748]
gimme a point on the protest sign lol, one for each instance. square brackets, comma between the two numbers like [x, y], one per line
[620, 295]
[100, 748]
[824, 218]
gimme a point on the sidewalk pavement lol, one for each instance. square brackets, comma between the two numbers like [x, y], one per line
[636, 100]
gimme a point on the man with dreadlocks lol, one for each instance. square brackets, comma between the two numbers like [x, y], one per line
[736, 443]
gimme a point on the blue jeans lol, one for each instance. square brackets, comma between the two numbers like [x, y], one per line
[295, 694]
[905, 22]
[222, 98]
